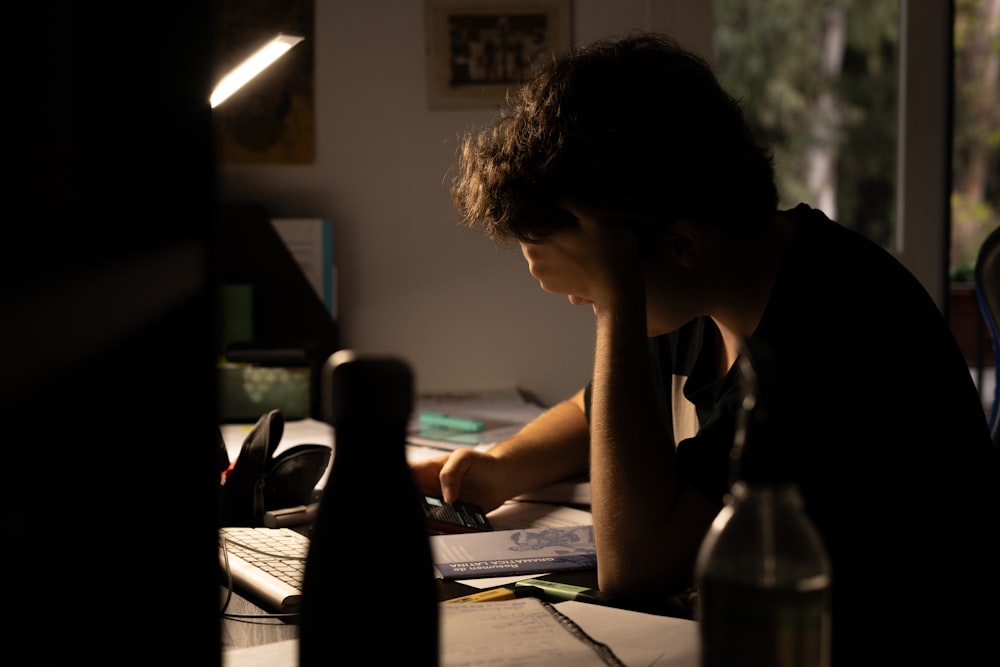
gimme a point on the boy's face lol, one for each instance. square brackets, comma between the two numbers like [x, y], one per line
[590, 261]
[600, 263]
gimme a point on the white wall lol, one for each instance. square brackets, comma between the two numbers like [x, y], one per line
[465, 314]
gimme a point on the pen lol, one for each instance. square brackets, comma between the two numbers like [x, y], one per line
[446, 421]
[555, 591]
[487, 595]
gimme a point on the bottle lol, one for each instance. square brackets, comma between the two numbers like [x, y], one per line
[368, 571]
[762, 573]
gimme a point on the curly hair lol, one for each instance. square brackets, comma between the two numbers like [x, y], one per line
[635, 129]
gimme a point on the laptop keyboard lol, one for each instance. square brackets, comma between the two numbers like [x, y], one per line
[267, 562]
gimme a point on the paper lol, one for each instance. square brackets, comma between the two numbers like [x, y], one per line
[513, 633]
[514, 514]
[504, 410]
[569, 492]
[639, 640]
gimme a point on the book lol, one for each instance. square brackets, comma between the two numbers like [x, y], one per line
[310, 242]
[524, 551]
[517, 632]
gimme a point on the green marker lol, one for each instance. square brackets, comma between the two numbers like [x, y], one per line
[553, 590]
[457, 423]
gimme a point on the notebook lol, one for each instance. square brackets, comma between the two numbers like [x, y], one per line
[267, 562]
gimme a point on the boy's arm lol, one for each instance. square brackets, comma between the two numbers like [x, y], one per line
[550, 448]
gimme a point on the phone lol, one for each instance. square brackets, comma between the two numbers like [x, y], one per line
[456, 517]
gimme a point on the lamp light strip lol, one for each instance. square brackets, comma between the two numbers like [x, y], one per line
[252, 66]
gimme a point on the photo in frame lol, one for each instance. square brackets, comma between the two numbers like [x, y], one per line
[478, 49]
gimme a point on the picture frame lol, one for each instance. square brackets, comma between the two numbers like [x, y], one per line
[478, 49]
[271, 120]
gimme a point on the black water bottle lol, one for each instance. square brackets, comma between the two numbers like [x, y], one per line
[763, 574]
[368, 588]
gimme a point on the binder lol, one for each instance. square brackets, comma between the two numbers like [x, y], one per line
[310, 242]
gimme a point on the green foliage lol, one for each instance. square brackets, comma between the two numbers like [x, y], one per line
[972, 221]
[976, 137]
[769, 54]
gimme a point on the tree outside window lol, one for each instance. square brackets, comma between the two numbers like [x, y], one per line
[818, 80]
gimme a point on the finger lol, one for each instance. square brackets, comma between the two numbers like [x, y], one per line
[426, 474]
[453, 472]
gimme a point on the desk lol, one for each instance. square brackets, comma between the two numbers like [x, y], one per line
[653, 632]
[266, 628]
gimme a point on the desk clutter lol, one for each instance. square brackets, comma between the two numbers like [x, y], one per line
[324, 604]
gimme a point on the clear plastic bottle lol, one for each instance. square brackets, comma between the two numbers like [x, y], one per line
[370, 526]
[763, 574]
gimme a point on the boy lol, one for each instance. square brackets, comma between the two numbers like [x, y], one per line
[632, 184]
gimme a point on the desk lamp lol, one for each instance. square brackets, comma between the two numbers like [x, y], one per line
[260, 60]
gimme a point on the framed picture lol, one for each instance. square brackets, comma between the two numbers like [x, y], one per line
[478, 49]
[271, 120]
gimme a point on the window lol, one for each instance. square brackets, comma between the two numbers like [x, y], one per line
[975, 195]
[920, 212]
[819, 84]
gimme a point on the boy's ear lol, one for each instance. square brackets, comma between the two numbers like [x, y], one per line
[684, 243]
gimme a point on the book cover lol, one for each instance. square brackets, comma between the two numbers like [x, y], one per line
[510, 552]
[310, 241]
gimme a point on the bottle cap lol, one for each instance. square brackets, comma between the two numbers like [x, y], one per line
[362, 388]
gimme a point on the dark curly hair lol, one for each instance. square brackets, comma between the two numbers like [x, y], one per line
[635, 129]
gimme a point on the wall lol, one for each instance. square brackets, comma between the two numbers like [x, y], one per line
[464, 313]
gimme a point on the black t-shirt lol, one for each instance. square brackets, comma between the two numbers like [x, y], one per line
[890, 445]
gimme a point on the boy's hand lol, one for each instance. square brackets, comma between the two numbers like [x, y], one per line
[465, 474]
[594, 263]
